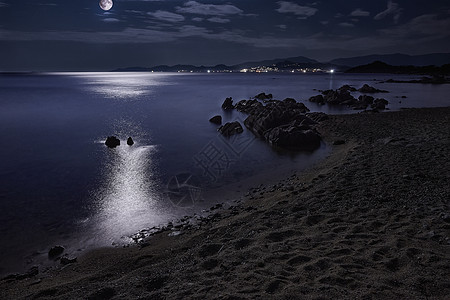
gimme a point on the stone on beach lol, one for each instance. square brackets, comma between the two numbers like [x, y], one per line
[55, 252]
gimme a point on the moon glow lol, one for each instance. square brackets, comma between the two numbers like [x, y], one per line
[106, 4]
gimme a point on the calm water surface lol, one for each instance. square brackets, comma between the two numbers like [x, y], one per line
[59, 184]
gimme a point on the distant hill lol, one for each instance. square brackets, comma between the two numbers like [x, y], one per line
[381, 67]
[296, 59]
[436, 59]
[283, 64]
[301, 62]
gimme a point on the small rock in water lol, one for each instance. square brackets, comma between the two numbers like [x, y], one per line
[55, 252]
[112, 142]
[228, 103]
[216, 120]
[130, 141]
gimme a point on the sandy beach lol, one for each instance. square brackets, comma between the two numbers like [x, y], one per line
[371, 221]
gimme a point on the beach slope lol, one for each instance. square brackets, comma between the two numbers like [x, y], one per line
[371, 221]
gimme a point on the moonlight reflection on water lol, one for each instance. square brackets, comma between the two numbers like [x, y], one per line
[127, 200]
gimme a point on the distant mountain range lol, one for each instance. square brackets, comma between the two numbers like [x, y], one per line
[434, 59]
[300, 63]
[381, 67]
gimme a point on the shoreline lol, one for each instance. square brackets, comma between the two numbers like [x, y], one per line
[370, 220]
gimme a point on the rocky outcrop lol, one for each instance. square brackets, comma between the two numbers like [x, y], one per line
[228, 103]
[370, 89]
[293, 136]
[284, 124]
[216, 120]
[338, 97]
[112, 142]
[342, 96]
[231, 128]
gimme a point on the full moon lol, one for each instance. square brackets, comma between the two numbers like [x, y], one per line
[106, 4]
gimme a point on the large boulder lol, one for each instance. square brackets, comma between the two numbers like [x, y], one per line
[112, 142]
[379, 104]
[55, 252]
[365, 99]
[317, 99]
[228, 103]
[338, 97]
[231, 128]
[294, 137]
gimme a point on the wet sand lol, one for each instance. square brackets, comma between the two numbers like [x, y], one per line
[371, 221]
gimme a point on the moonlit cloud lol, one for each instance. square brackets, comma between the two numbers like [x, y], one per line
[392, 9]
[289, 7]
[219, 20]
[111, 20]
[194, 7]
[197, 19]
[359, 13]
[166, 16]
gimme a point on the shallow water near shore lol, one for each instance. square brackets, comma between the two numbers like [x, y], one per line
[59, 184]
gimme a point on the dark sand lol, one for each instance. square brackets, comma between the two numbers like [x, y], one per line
[372, 221]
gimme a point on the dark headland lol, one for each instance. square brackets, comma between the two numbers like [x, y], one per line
[371, 221]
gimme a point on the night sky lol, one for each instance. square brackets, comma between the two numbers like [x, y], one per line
[55, 35]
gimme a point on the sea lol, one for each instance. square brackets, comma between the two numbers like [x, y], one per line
[60, 184]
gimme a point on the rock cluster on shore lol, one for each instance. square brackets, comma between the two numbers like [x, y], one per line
[283, 123]
[343, 96]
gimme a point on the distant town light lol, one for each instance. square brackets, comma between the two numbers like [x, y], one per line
[209, 71]
[332, 71]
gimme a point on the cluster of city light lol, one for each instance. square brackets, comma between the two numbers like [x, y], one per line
[275, 69]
